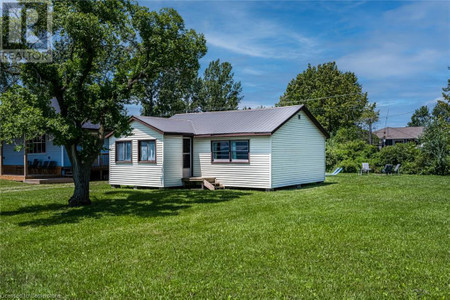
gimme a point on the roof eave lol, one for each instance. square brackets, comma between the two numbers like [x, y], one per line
[233, 134]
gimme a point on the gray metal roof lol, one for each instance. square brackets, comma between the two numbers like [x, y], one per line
[235, 122]
[254, 121]
[166, 125]
[392, 133]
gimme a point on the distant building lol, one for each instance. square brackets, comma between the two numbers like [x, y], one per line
[390, 136]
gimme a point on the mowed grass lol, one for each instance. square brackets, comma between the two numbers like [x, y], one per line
[351, 237]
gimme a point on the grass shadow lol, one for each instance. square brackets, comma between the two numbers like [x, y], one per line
[305, 186]
[145, 204]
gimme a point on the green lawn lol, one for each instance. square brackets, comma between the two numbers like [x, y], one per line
[351, 237]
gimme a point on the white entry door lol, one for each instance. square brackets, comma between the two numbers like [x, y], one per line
[187, 161]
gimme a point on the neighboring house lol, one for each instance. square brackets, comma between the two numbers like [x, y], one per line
[263, 148]
[390, 136]
[44, 159]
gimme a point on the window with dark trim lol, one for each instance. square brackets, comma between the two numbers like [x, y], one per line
[147, 151]
[123, 151]
[230, 151]
[220, 151]
[239, 151]
[36, 145]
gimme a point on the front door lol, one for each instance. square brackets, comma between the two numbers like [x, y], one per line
[187, 152]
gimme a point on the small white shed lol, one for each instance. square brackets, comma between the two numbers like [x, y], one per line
[262, 148]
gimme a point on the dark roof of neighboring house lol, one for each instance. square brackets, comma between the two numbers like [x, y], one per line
[87, 125]
[394, 133]
[222, 123]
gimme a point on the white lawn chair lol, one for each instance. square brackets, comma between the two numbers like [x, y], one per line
[365, 169]
[337, 171]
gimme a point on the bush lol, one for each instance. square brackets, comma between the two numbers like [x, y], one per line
[349, 155]
[405, 154]
[436, 147]
[348, 149]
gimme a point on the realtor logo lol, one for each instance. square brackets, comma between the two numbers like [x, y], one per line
[25, 31]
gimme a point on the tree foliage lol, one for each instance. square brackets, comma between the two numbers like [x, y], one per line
[406, 154]
[420, 117]
[436, 146]
[442, 108]
[217, 90]
[21, 116]
[172, 93]
[334, 97]
[105, 55]
[170, 89]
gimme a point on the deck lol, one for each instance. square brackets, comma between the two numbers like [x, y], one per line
[37, 179]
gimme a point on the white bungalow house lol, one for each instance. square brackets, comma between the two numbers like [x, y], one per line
[262, 148]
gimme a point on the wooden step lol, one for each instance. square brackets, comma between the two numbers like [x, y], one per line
[218, 185]
[208, 185]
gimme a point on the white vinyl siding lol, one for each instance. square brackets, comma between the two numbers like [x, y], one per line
[135, 173]
[173, 160]
[254, 174]
[298, 153]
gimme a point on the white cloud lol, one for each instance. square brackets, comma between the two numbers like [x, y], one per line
[387, 61]
[401, 44]
[252, 71]
[242, 32]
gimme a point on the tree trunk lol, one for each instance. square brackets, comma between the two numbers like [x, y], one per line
[81, 177]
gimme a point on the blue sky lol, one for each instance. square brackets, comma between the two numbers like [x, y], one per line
[399, 50]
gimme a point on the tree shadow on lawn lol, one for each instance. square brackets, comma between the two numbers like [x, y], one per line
[155, 203]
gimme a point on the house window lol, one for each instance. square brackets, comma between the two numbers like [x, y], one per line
[36, 145]
[123, 151]
[230, 151]
[239, 151]
[147, 151]
[221, 151]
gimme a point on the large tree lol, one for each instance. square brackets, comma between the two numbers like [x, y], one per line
[171, 90]
[421, 117]
[435, 143]
[334, 97]
[105, 54]
[442, 108]
[217, 90]
[369, 116]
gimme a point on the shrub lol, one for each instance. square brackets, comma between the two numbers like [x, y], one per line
[405, 154]
[349, 155]
[436, 147]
